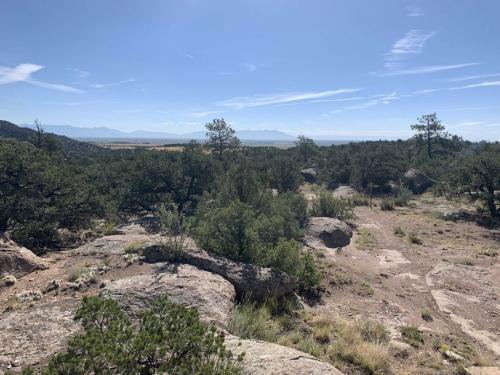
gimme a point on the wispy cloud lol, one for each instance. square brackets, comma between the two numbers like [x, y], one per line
[424, 69]
[202, 114]
[249, 67]
[413, 11]
[111, 84]
[282, 98]
[411, 44]
[472, 77]
[371, 101]
[185, 54]
[80, 74]
[481, 84]
[23, 73]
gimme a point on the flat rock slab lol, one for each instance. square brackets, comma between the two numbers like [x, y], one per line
[475, 370]
[17, 260]
[32, 334]
[263, 358]
[469, 296]
[115, 244]
[391, 258]
[210, 294]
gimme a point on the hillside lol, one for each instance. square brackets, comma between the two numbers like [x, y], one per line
[11, 131]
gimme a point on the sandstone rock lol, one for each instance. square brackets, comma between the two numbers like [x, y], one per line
[208, 293]
[262, 358]
[344, 191]
[31, 335]
[9, 280]
[247, 279]
[327, 232]
[476, 370]
[417, 181]
[309, 174]
[17, 260]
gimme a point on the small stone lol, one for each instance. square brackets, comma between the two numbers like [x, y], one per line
[9, 280]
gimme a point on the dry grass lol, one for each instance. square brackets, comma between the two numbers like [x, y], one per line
[365, 240]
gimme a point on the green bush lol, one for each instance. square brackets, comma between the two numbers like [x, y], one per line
[167, 338]
[387, 205]
[328, 205]
[412, 336]
[252, 321]
[402, 197]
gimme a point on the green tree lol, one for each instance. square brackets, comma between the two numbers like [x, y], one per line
[220, 136]
[306, 148]
[430, 128]
[167, 338]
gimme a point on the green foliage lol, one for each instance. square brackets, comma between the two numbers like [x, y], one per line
[252, 321]
[306, 148]
[173, 229]
[167, 338]
[328, 205]
[402, 197]
[220, 136]
[387, 204]
[412, 336]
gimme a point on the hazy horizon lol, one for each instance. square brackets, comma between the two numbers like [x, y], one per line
[328, 70]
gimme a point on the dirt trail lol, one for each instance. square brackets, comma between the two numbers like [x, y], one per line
[393, 281]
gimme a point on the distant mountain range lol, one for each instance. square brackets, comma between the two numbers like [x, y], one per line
[104, 132]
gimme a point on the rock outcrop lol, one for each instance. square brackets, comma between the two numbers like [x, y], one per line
[262, 358]
[476, 370]
[327, 232]
[208, 293]
[248, 279]
[310, 175]
[344, 191]
[31, 335]
[417, 181]
[17, 260]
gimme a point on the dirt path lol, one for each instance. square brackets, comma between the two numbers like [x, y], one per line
[394, 281]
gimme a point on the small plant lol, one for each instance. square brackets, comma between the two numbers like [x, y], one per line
[365, 290]
[398, 231]
[387, 205]
[75, 275]
[414, 239]
[134, 247]
[173, 229]
[427, 315]
[109, 228]
[252, 321]
[402, 197]
[412, 336]
[328, 205]
[365, 240]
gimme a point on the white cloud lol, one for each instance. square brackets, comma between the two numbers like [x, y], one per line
[185, 54]
[470, 78]
[411, 44]
[481, 84]
[23, 73]
[111, 84]
[81, 74]
[413, 11]
[202, 114]
[424, 69]
[283, 98]
[249, 67]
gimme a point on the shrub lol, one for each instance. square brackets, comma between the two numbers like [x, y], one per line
[252, 321]
[308, 275]
[414, 239]
[412, 336]
[328, 205]
[365, 240]
[387, 205]
[398, 231]
[427, 315]
[167, 338]
[173, 229]
[402, 197]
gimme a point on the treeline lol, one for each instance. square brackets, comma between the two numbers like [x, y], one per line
[249, 195]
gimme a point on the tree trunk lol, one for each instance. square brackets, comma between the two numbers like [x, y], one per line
[429, 144]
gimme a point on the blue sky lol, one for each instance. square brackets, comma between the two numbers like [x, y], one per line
[328, 69]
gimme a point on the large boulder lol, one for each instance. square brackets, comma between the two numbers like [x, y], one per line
[248, 279]
[17, 260]
[417, 181]
[344, 191]
[31, 335]
[327, 232]
[208, 293]
[262, 358]
[310, 175]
